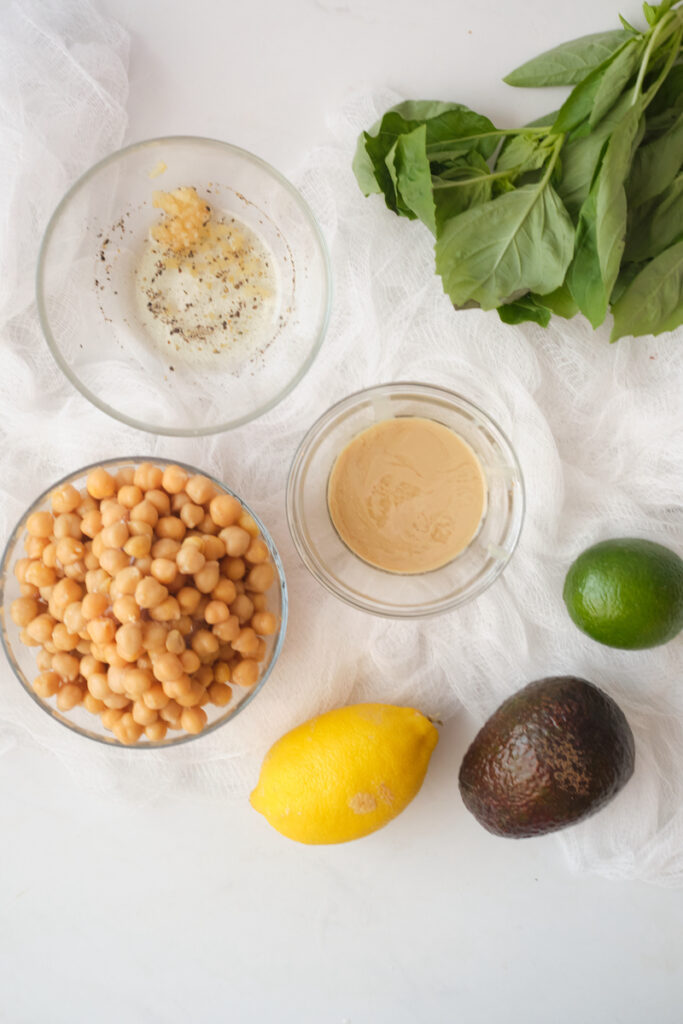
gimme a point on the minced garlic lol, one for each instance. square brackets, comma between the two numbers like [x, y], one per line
[187, 217]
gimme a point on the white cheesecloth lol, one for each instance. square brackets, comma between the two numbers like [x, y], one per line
[597, 428]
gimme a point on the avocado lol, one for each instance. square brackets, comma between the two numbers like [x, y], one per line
[551, 755]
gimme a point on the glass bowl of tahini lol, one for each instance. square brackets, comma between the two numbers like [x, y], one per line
[183, 286]
[405, 500]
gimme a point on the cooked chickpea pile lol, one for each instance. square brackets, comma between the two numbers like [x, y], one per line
[146, 593]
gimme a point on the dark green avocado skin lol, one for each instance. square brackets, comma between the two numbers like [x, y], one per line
[551, 755]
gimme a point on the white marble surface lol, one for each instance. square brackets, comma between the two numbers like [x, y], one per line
[193, 910]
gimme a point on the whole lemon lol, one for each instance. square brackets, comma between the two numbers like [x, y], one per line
[345, 773]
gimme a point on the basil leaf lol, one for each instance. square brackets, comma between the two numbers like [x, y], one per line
[601, 231]
[628, 272]
[466, 192]
[413, 176]
[656, 225]
[521, 240]
[656, 164]
[581, 158]
[560, 302]
[653, 302]
[524, 309]
[612, 83]
[578, 106]
[523, 152]
[569, 63]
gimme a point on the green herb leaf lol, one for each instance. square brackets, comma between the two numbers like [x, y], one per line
[612, 83]
[559, 302]
[413, 177]
[569, 63]
[524, 152]
[653, 302]
[656, 164]
[524, 309]
[520, 241]
[656, 225]
[471, 178]
[581, 158]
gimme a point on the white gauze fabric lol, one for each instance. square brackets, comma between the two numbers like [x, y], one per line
[597, 429]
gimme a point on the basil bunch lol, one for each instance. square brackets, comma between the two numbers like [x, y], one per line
[581, 211]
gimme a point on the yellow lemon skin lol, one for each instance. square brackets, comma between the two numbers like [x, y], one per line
[346, 773]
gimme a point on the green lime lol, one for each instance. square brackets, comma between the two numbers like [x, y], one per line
[626, 593]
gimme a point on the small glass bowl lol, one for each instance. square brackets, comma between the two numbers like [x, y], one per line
[22, 658]
[93, 306]
[374, 590]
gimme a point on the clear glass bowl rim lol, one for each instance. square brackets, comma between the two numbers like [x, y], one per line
[63, 205]
[312, 436]
[113, 742]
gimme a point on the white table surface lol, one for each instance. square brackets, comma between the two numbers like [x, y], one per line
[194, 910]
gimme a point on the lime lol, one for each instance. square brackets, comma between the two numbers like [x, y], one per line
[626, 593]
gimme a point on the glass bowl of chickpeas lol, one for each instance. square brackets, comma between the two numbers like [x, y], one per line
[142, 603]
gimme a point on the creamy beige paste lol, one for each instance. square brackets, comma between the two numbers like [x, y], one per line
[407, 495]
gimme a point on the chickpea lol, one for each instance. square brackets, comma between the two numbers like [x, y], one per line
[113, 514]
[66, 665]
[166, 611]
[139, 528]
[87, 504]
[144, 564]
[156, 697]
[110, 716]
[192, 515]
[145, 512]
[165, 548]
[184, 625]
[225, 509]
[39, 524]
[21, 567]
[154, 636]
[136, 681]
[119, 701]
[233, 568]
[127, 730]
[110, 654]
[206, 579]
[171, 713]
[63, 639]
[49, 555]
[126, 581]
[178, 500]
[116, 678]
[98, 581]
[76, 571]
[193, 720]
[35, 546]
[160, 500]
[216, 611]
[220, 694]
[257, 552]
[264, 623]
[126, 609]
[129, 496]
[148, 477]
[156, 732]
[90, 561]
[248, 523]
[190, 661]
[69, 550]
[175, 643]
[174, 479]
[92, 704]
[222, 672]
[65, 499]
[142, 714]
[177, 687]
[246, 642]
[138, 546]
[171, 528]
[259, 601]
[94, 605]
[188, 600]
[204, 643]
[242, 608]
[213, 548]
[224, 591]
[115, 536]
[98, 685]
[200, 489]
[47, 684]
[40, 628]
[190, 559]
[24, 610]
[261, 577]
[44, 660]
[90, 665]
[236, 540]
[27, 640]
[101, 630]
[69, 696]
[40, 575]
[113, 561]
[207, 526]
[91, 523]
[149, 592]
[164, 570]
[245, 672]
[129, 641]
[68, 524]
[227, 631]
[193, 697]
[168, 667]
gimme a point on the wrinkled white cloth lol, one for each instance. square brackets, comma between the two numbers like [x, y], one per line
[597, 428]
